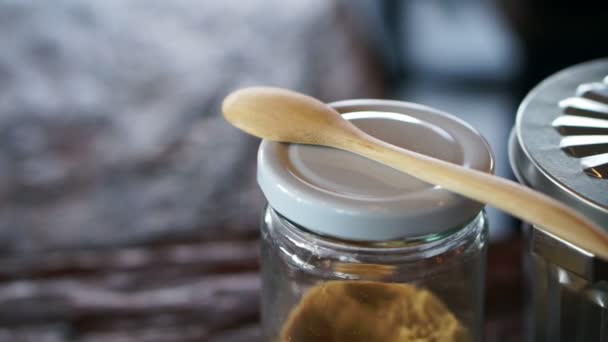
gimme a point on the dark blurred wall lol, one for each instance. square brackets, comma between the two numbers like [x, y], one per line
[557, 33]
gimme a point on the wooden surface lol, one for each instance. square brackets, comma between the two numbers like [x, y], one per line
[177, 292]
[196, 291]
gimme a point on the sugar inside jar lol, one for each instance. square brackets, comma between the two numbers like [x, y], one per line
[356, 251]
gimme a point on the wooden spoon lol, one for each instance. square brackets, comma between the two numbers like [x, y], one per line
[286, 116]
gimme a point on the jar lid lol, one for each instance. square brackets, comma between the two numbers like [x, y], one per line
[342, 195]
[559, 144]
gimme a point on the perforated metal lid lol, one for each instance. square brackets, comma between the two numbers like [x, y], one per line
[340, 194]
[559, 143]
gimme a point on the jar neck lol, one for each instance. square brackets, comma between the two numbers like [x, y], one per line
[457, 238]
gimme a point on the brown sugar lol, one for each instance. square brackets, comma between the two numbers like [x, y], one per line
[353, 311]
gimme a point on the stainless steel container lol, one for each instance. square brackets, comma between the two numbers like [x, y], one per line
[559, 145]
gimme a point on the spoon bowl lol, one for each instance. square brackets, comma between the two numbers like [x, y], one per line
[287, 116]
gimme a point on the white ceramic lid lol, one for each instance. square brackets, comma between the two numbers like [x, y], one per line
[340, 194]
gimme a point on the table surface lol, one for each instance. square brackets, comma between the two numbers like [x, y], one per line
[181, 291]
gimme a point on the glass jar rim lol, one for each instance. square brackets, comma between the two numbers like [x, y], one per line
[437, 242]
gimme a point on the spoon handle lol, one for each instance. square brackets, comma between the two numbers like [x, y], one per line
[513, 198]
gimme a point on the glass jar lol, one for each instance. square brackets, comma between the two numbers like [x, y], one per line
[450, 265]
[355, 251]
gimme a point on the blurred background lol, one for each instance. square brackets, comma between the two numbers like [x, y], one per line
[129, 209]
